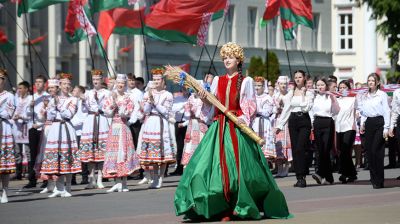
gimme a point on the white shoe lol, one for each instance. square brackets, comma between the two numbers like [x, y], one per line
[4, 198]
[100, 185]
[114, 188]
[44, 191]
[125, 190]
[56, 193]
[154, 184]
[66, 194]
[144, 181]
[160, 182]
[91, 186]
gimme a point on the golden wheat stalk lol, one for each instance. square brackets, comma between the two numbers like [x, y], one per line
[177, 75]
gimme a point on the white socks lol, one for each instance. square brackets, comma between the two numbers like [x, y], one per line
[5, 179]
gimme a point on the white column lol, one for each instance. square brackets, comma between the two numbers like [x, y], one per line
[20, 49]
[111, 53]
[83, 56]
[370, 56]
[52, 35]
[138, 54]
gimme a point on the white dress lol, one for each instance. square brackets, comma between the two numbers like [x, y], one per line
[61, 151]
[95, 128]
[7, 157]
[156, 144]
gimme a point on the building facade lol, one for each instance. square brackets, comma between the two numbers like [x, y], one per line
[312, 49]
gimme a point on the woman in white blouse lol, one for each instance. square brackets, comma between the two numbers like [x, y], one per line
[298, 103]
[345, 125]
[375, 122]
[324, 109]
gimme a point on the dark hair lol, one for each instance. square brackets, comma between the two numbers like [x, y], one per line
[377, 79]
[323, 79]
[42, 77]
[140, 79]
[240, 80]
[81, 88]
[332, 78]
[304, 76]
[345, 82]
[25, 84]
[130, 76]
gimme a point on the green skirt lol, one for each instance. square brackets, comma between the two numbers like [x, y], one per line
[200, 192]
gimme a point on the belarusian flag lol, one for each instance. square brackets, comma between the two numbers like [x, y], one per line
[28, 6]
[5, 44]
[77, 24]
[104, 5]
[292, 12]
[120, 21]
[36, 41]
[182, 20]
[126, 49]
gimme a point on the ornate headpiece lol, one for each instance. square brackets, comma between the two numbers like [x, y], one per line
[3, 73]
[157, 71]
[259, 79]
[121, 77]
[65, 77]
[97, 72]
[282, 79]
[232, 49]
[53, 83]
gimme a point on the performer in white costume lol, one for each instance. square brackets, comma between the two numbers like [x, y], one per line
[94, 130]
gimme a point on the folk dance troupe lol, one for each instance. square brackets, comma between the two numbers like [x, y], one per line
[120, 128]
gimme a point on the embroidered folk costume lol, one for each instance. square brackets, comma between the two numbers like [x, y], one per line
[7, 157]
[95, 129]
[219, 179]
[121, 159]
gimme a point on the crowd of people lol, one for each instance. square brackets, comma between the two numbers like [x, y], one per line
[119, 128]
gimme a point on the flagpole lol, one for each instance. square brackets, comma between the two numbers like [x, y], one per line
[304, 59]
[219, 37]
[144, 45]
[287, 53]
[26, 35]
[30, 58]
[266, 46]
[13, 66]
[8, 77]
[198, 62]
[208, 53]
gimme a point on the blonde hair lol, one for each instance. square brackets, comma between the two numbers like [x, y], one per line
[232, 49]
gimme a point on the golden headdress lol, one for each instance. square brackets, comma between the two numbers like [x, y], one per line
[232, 49]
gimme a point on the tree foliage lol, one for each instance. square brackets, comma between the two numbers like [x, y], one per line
[269, 71]
[387, 13]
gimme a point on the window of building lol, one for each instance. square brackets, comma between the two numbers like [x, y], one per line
[314, 32]
[229, 24]
[252, 14]
[345, 32]
[271, 32]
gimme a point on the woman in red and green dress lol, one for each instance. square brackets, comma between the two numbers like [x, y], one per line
[228, 175]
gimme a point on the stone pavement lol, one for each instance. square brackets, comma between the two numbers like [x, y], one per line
[338, 203]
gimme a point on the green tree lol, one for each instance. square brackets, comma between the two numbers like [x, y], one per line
[256, 67]
[269, 70]
[387, 13]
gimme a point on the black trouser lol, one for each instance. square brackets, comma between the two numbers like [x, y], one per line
[299, 130]
[375, 148]
[135, 129]
[180, 143]
[344, 144]
[393, 145]
[34, 147]
[324, 130]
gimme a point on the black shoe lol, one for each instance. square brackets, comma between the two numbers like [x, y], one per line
[317, 178]
[300, 183]
[351, 179]
[390, 166]
[377, 186]
[84, 182]
[343, 179]
[177, 172]
[30, 185]
[44, 184]
[398, 178]
[73, 182]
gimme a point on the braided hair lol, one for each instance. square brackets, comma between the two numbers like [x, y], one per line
[240, 80]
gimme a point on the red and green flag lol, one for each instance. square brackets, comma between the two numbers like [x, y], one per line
[28, 6]
[77, 24]
[119, 21]
[292, 12]
[5, 44]
[126, 49]
[35, 41]
[104, 5]
[182, 20]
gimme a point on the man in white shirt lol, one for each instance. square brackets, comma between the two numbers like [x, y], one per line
[36, 131]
